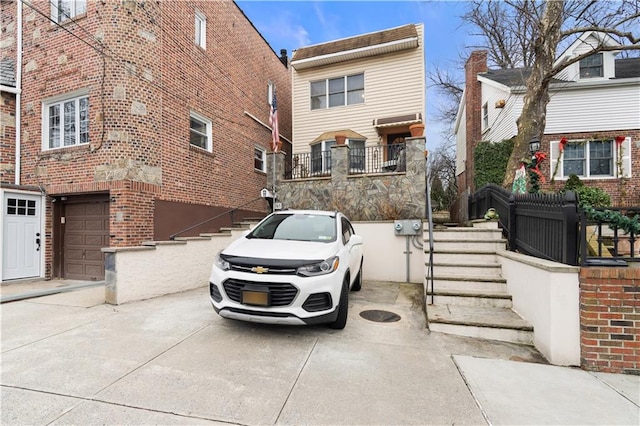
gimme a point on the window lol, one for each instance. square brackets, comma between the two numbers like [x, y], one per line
[591, 66]
[321, 157]
[356, 155]
[201, 29]
[62, 10]
[200, 132]
[260, 159]
[485, 116]
[596, 159]
[67, 123]
[21, 207]
[347, 90]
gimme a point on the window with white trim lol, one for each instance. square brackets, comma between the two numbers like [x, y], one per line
[321, 156]
[260, 159]
[66, 123]
[200, 132]
[485, 116]
[62, 10]
[340, 91]
[591, 66]
[595, 159]
[201, 29]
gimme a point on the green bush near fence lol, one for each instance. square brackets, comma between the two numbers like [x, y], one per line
[490, 162]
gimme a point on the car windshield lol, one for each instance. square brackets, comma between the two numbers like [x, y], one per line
[298, 227]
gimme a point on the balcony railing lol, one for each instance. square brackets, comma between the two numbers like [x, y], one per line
[369, 160]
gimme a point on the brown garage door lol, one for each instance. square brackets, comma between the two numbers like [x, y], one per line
[86, 231]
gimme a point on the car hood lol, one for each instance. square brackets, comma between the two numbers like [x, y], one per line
[281, 249]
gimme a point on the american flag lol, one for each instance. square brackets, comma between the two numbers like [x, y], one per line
[273, 121]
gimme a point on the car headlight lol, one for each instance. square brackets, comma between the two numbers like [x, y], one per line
[320, 268]
[221, 263]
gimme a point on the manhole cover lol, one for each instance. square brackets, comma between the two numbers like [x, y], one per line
[380, 316]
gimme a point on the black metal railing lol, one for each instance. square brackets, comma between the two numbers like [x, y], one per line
[553, 227]
[368, 160]
[604, 244]
[308, 164]
[230, 213]
[540, 225]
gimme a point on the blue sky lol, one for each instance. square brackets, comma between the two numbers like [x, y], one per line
[294, 24]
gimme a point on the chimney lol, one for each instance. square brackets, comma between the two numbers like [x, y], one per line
[283, 57]
[476, 64]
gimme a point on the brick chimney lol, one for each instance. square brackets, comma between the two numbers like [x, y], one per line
[476, 64]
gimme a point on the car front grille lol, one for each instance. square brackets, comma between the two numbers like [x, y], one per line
[282, 294]
[279, 270]
[317, 302]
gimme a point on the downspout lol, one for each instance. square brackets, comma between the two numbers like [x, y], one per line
[18, 94]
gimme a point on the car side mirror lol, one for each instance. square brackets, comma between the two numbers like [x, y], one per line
[356, 239]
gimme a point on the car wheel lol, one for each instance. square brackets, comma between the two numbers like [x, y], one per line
[343, 307]
[357, 284]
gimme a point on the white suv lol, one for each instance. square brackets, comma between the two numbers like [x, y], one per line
[294, 267]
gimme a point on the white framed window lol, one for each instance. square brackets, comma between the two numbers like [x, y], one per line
[201, 29]
[592, 66]
[485, 116]
[356, 155]
[260, 159]
[200, 132]
[321, 157]
[594, 159]
[65, 122]
[340, 91]
[62, 10]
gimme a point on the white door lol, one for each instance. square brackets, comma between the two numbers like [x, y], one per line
[22, 236]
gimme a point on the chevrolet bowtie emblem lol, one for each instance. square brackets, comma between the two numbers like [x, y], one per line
[259, 270]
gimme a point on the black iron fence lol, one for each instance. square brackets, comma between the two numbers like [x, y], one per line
[553, 227]
[368, 160]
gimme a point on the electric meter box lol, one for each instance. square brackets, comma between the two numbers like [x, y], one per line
[408, 227]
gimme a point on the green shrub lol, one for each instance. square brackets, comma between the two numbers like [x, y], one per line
[490, 162]
[594, 197]
[573, 183]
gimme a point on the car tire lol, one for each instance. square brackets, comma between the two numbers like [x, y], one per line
[357, 284]
[343, 307]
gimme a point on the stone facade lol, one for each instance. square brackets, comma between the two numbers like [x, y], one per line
[362, 197]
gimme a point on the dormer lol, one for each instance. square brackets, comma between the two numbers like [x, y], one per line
[599, 66]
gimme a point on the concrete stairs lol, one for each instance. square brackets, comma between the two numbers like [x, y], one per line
[470, 295]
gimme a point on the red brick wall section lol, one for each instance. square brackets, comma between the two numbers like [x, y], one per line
[7, 138]
[610, 320]
[623, 192]
[477, 63]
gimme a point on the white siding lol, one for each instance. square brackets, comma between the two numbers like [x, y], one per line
[501, 120]
[461, 143]
[394, 85]
[595, 109]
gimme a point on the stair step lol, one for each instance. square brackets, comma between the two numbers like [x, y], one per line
[465, 234]
[462, 255]
[482, 322]
[472, 245]
[493, 300]
[468, 284]
[483, 223]
[467, 269]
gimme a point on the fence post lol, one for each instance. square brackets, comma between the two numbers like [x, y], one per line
[570, 213]
[512, 222]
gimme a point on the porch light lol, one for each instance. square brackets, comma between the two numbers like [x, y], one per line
[534, 145]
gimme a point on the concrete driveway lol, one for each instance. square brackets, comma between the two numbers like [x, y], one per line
[69, 359]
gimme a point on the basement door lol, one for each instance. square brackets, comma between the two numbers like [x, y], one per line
[22, 239]
[85, 232]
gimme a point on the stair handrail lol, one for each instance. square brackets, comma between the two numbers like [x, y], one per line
[230, 211]
[430, 223]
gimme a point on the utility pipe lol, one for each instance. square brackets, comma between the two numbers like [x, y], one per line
[18, 90]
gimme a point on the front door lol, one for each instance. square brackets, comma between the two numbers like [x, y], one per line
[85, 233]
[22, 237]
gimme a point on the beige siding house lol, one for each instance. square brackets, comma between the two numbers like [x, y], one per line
[370, 87]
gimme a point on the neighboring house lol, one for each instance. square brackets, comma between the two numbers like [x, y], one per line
[137, 120]
[370, 88]
[594, 110]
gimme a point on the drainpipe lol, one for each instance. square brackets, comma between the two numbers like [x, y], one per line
[18, 95]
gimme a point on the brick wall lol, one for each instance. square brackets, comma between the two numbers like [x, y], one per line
[610, 319]
[623, 192]
[7, 100]
[143, 76]
[477, 63]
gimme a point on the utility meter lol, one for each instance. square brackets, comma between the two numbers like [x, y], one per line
[408, 227]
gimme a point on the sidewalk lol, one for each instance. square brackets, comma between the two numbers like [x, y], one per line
[70, 359]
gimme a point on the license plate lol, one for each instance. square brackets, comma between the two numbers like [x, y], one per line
[259, 298]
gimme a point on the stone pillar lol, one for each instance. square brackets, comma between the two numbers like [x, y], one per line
[416, 174]
[339, 163]
[279, 168]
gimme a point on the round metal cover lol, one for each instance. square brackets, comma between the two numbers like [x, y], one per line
[380, 316]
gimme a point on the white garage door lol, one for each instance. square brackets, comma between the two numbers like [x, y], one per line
[22, 236]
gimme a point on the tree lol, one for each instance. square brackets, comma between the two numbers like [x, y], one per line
[442, 176]
[559, 21]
